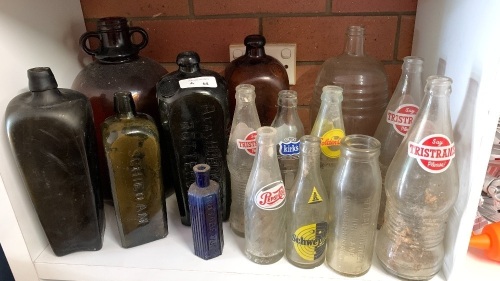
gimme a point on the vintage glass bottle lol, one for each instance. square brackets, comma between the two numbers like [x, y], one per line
[194, 121]
[289, 130]
[307, 207]
[329, 126]
[118, 67]
[241, 152]
[264, 72]
[421, 185]
[206, 214]
[354, 203]
[398, 117]
[265, 198]
[52, 137]
[132, 146]
[364, 81]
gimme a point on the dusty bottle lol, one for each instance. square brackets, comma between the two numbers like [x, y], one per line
[132, 146]
[364, 81]
[421, 185]
[206, 214]
[354, 203]
[264, 72]
[194, 121]
[265, 198]
[52, 137]
[398, 118]
[307, 217]
[289, 130]
[118, 67]
[329, 126]
[241, 152]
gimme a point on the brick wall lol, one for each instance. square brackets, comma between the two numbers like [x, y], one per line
[317, 26]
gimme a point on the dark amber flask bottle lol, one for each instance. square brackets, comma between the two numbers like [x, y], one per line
[195, 122]
[132, 149]
[52, 136]
[264, 72]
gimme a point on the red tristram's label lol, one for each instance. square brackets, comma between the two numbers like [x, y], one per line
[434, 153]
[249, 144]
[402, 118]
[271, 196]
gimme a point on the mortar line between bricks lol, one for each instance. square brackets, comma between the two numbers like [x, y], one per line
[191, 9]
[328, 8]
[396, 39]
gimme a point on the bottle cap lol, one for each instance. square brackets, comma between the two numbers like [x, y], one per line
[255, 40]
[41, 79]
[202, 175]
[488, 240]
[188, 58]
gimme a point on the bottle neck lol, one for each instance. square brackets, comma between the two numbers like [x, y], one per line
[202, 175]
[411, 82]
[189, 68]
[124, 105]
[310, 151]
[255, 52]
[354, 45]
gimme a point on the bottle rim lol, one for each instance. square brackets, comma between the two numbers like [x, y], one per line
[331, 92]
[355, 30]
[245, 92]
[266, 133]
[360, 143]
[412, 63]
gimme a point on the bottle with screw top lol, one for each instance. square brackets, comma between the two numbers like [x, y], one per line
[421, 186]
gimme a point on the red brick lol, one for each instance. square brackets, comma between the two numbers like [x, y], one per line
[351, 6]
[304, 84]
[406, 36]
[210, 37]
[319, 38]
[393, 75]
[132, 8]
[303, 112]
[225, 7]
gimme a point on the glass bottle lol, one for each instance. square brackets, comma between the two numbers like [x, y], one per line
[364, 81]
[307, 217]
[329, 126]
[398, 118]
[289, 130]
[421, 186]
[52, 137]
[118, 67]
[264, 72]
[206, 214]
[132, 146]
[354, 203]
[265, 198]
[195, 123]
[241, 151]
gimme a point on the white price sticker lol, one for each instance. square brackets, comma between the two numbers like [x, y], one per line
[198, 82]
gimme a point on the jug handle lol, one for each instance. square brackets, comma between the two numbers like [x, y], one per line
[84, 39]
[144, 34]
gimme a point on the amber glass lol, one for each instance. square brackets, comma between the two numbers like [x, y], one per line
[264, 72]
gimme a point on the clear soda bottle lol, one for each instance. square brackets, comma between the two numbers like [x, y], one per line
[399, 116]
[241, 150]
[289, 131]
[329, 126]
[307, 217]
[421, 187]
[265, 198]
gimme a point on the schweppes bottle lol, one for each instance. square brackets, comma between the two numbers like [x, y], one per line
[307, 210]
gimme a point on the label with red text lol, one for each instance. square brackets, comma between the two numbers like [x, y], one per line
[402, 118]
[271, 196]
[434, 153]
[249, 144]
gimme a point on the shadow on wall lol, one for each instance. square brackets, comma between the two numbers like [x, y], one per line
[5, 273]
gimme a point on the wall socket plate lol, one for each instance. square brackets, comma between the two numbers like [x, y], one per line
[286, 53]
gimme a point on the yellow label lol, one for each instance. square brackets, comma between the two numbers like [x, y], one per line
[315, 197]
[330, 143]
[309, 241]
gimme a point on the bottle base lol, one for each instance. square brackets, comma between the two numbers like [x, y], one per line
[305, 265]
[264, 260]
[237, 232]
[348, 274]
[403, 276]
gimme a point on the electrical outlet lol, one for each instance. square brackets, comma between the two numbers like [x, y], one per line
[284, 52]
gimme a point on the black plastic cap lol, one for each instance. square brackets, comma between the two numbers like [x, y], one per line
[255, 40]
[41, 79]
[188, 58]
[124, 103]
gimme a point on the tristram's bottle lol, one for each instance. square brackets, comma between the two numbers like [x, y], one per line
[265, 198]
[398, 117]
[241, 151]
[421, 187]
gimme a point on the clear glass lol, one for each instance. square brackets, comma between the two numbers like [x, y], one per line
[364, 81]
[289, 131]
[265, 199]
[354, 203]
[241, 150]
[399, 116]
[307, 217]
[329, 126]
[421, 187]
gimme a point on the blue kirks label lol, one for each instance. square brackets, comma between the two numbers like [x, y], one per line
[289, 147]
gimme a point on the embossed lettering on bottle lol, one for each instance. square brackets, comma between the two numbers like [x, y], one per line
[137, 172]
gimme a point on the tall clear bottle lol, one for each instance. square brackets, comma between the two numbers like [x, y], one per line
[364, 81]
[289, 130]
[307, 217]
[354, 203]
[241, 151]
[265, 198]
[421, 187]
[329, 126]
[399, 116]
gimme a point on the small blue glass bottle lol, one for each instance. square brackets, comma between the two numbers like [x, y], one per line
[206, 214]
